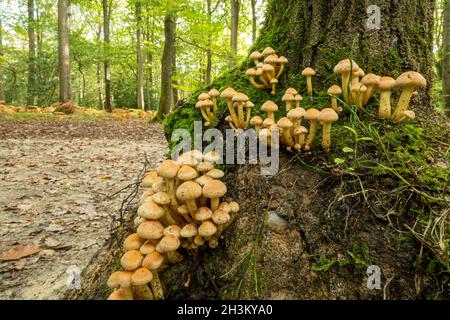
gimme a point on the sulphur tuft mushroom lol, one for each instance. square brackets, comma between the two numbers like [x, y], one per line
[289, 100]
[274, 83]
[309, 73]
[286, 124]
[345, 68]
[326, 117]
[282, 61]
[251, 74]
[408, 115]
[297, 98]
[255, 56]
[214, 93]
[269, 107]
[228, 94]
[311, 115]
[371, 81]
[189, 191]
[240, 100]
[335, 91]
[256, 121]
[213, 190]
[408, 82]
[386, 85]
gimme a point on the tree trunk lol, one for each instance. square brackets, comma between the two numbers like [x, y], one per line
[320, 33]
[106, 23]
[31, 54]
[446, 60]
[2, 88]
[253, 20]
[140, 58]
[209, 51]
[166, 98]
[235, 8]
[65, 91]
[149, 62]
[98, 74]
[174, 81]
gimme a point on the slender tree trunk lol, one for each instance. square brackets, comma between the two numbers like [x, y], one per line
[2, 88]
[166, 98]
[209, 51]
[106, 23]
[174, 72]
[31, 54]
[82, 87]
[235, 8]
[98, 75]
[65, 90]
[253, 21]
[140, 58]
[149, 62]
[446, 60]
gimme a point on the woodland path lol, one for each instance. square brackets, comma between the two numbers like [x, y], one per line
[55, 178]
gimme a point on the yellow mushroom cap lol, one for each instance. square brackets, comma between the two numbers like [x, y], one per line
[256, 121]
[188, 190]
[387, 83]
[268, 51]
[371, 79]
[153, 261]
[346, 66]
[282, 60]
[296, 113]
[147, 248]
[284, 123]
[150, 210]
[214, 189]
[118, 294]
[187, 173]
[151, 230]
[308, 72]
[113, 280]
[272, 59]
[141, 277]
[133, 242]
[168, 243]
[161, 198]
[311, 114]
[409, 114]
[251, 72]
[188, 159]
[213, 92]
[228, 93]
[328, 115]
[300, 130]
[203, 180]
[207, 229]
[240, 97]
[183, 209]
[212, 156]
[172, 230]
[168, 169]
[411, 79]
[268, 122]
[234, 206]
[189, 231]
[291, 91]
[335, 90]
[225, 207]
[124, 279]
[359, 73]
[255, 55]
[203, 96]
[274, 81]
[131, 260]
[203, 213]
[220, 217]
[298, 97]
[287, 97]
[269, 106]
[205, 166]
[249, 104]
[268, 67]
[215, 173]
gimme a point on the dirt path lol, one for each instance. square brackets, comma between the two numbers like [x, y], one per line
[55, 178]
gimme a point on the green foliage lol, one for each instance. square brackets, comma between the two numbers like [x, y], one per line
[324, 264]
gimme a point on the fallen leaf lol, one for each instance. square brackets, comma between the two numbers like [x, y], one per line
[29, 217]
[105, 177]
[20, 251]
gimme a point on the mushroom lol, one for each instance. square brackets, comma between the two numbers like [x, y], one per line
[215, 173]
[220, 218]
[148, 179]
[230, 122]
[297, 99]
[407, 115]
[311, 115]
[371, 81]
[255, 56]
[153, 262]
[386, 85]
[147, 248]
[213, 190]
[251, 73]
[334, 91]
[289, 100]
[291, 91]
[228, 95]
[256, 121]
[121, 281]
[214, 93]
[274, 83]
[212, 156]
[140, 280]
[358, 91]
[267, 52]
[168, 170]
[345, 68]
[281, 61]
[207, 229]
[269, 107]
[206, 105]
[300, 136]
[189, 231]
[309, 73]
[150, 230]
[269, 72]
[187, 173]
[131, 260]
[296, 115]
[240, 100]
[150, 210]
[248, 106]
[203, 214]
[261, 75]
[286, 124]
[356, 83]
[133, 242]
[409, 82]
[205, 166]
[326, 117]
[168, 244]
[189, 191]
[119, 294]
[163, 199]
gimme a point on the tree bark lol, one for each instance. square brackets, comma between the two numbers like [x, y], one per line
[446, 60]
[253, 4]
[65, 91]
[140, 58]
[235, 8]
[31, 54]
[209, 51]
[320, 33]
[2, 88]
[107, 74]
[98, 73]
[149, 62]
[166, 98]
[174, 72]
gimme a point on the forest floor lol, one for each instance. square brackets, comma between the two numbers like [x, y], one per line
[56, 178]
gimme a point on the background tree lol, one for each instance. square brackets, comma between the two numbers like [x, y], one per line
[446, 60]
[2, 89]
[65, 90]
[140, 57]
[31, 53]
[107, 73]
[235, 8]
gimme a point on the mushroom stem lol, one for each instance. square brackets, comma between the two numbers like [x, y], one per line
[334, 104]
[280, 71]
[205, 115]
[302, 139]
[311, 134]
[168, 215]
[263, 79]
[171, 191]
[247, 120]
[384, 112]
[255, 84]
[157, 289]
[403, 103]
[326, 135]
[240, 107]
[232, 111]
[274, 88]
[368, 94]
[355, 82]
[345, 86]
[192, 207]
[258, 129]
[287, 138]
[128, 293]
[143, 292]
[289, 105]
[309, 85]
[210, 114]
[215, 203]
[214, 101]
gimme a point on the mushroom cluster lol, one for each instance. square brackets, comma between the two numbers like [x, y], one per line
[207, 103]
[290, 128]
[240, 108]
[358, 88]
[269, 68]
[181, 207]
